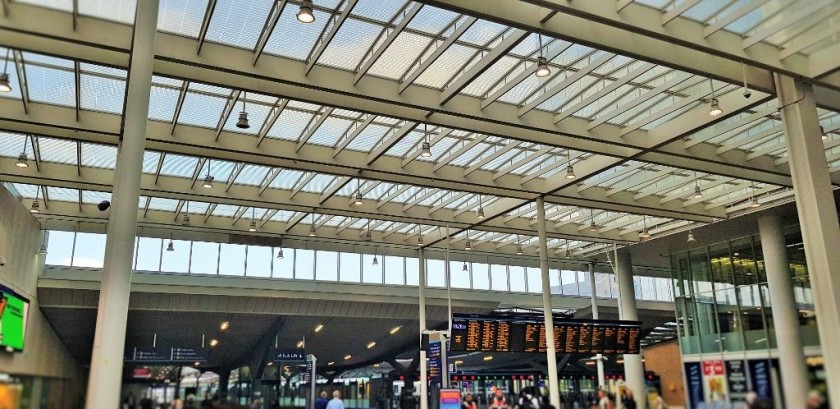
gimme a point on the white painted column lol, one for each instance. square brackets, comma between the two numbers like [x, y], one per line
[550, 353]
[817, 216]
[785, 314]
[599, 364]
[424, 366]
[105, 380]
[634, 371]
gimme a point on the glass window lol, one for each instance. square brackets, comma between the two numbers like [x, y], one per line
[435, 273]
[371, 273]
[584, 286]
[663, 289]
[205, 259]
[569, 281]
[304, 264]
[60, 248]
[327, 266]
[412, 271]
[614, 286]
[283, 267]
[259, 261]
[90, 250]
[394, 270]
[147, 257]
[178, 260]
[517, 279]
[232, 259]
[480, 276]
[534, 280]
[498, 277]
[648, 288]
[554, 281]
[351, 264]
[602, 285]
[460, 278]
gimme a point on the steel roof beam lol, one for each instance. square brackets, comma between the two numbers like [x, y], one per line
[312, 128]
[325, 39]
[589, 100]
[272, 117]
[337, 184]
[645, 96]
[389, 141]
[528, 72]
[229, 106]
[423, 65]
[678, 10]
[567, 82]
[269, 179]
[205, 24]
[271, 20]
[17, 55]
[790, 18]
[414, 153]
[352, 133]
[477, 139]
[371, 56]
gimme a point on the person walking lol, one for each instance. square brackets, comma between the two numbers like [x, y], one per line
[322, 401]
[336, 402]
[604, 401]
[469, 402]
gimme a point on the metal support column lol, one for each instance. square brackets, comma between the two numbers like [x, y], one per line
[550, 353]
[634, 371]
[105, 382]
[424, 366]
[817, 216]
[594, 298]
[785, 314]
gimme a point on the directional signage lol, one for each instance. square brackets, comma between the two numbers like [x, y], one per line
[189, 354]
[290, 356]
[152, 354]
[435, 362]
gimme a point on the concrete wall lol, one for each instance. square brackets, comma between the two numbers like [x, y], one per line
[664, 359]
[44, 354]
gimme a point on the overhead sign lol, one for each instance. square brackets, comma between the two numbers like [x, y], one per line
[152, 354]
[526, 333]
[189, 354]
[290, 356]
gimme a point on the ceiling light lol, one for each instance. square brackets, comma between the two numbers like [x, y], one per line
[488, 358]
[395, 330]
[5, 84]
[754, 203]
[480, 214]
[465, 267]
[300, 344]
[36, 207]
[331, 363]
[270, 364]
[253, 227]
[823, 133]
[242, 123]
[23, 161]
[468, 245]
[371, 344]
[368, 235]
[280, 254]
[690, 237]
[319, 327]
[519, 250]
[375, 261]
[714, 109]
[225, 325]
[186, 221]
[305, 15]
[348, 357]
[358, 199]
[420, 240]
[542, 68]
[197, 363]
[458, 362]
[426, 150]
[214, 342]
[592, 227]
[312, 231]
[376, 365]
[645, 234]
[171, 246]
[570, 172]
[568, 253]
[208, 182]
[698, 194]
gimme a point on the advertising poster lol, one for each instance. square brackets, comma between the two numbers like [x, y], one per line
[10, 396]
[760, 377]
[737, 379]
[694, 381]
[13, 311]
[450, 399]
[715, 381]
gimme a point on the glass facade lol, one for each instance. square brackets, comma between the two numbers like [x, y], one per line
[87, 250]
[722, 300]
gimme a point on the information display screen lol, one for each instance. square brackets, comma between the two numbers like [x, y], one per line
[13, 311]
[526, 333]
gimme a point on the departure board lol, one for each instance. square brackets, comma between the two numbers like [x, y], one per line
[526, 333]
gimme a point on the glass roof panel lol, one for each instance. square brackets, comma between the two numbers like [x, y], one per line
[99, 156]
[479, 86]
[431, 20]
[350, 44]
[115, 10]
[290, 124]
[178, 165]
[102, 94]
[330, 131]
[305, 35]
[64, 5]
[238, 22]
[397, 59]
[91, 197]
[51, 86]
[446, 66]
[201, 110]
[162, 102]
[257, 113]
[182, 17]
[57, 150]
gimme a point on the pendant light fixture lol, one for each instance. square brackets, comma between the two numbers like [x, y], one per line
[304, 14]
[5, 83]
[519, 250]
[419, 236]
[312, 226]
[23, 159]
[691, 238]
[570, 171]
[280, 250]
[368, 234]
[43, 249]
[542, 63]
[253, 227]
[171, 246]
[698, 194]
[645, 233]
[479, 214]
[754, 203]
[468, 244]
[242, 123]
[208, 180]
[465, 267]
[358, 200]
[186, 219]
[36, 206]
[592, 226]
[375, 259]
[714, 106]
[568, 252]
[426, 147]
[823, 133]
